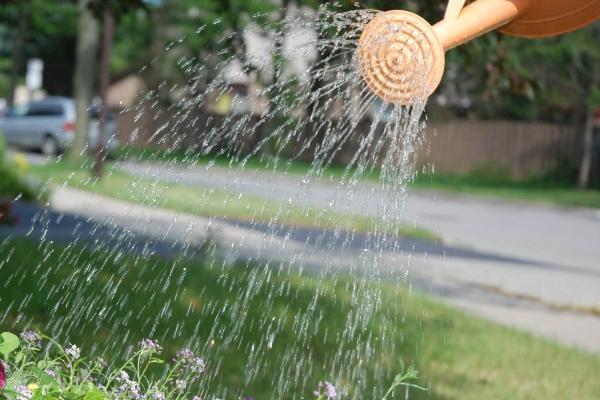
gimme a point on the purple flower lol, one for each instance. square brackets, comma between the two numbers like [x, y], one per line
[330, 392]
[128, 388]
[73, 351]
[30, 337]
[185, 354]
[190, 360]
[122, 377]
[158, 396]
[180, 385]
[326, 389]
[2, 375]
[151, 346]
[52, 374]
[23, 392]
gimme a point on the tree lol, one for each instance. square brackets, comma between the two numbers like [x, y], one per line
[37, 29]
[107, 38]
[106, 9]
[18, 49]
[84, 77]
[90, 11]
[565, 71]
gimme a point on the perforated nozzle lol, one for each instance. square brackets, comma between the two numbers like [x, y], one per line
[400, 57]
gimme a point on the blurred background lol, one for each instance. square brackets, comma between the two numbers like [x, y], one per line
[136, 130]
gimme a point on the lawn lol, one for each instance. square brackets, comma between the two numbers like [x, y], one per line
[260, 163]
[533, 190]
[215, 203]
[271, 334]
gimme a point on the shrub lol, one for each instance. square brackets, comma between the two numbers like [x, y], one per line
[12, 183]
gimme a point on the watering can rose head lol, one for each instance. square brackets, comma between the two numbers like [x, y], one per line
[400, 58]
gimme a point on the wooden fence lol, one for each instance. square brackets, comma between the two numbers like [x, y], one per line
[521, 149]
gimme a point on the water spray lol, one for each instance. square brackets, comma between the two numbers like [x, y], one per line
[401, 56]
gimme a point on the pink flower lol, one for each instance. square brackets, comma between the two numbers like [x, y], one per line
[2, 375]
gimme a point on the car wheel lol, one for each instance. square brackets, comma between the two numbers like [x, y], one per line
[49, 146]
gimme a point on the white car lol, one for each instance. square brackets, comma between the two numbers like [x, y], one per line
[49, 125]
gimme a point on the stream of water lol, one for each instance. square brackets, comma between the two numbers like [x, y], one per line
[299, 98]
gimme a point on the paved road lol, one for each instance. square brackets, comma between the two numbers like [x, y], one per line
[530, 266]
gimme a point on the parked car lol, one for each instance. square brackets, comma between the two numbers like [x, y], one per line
[49, 125]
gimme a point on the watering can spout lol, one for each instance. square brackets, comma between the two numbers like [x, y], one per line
[401, 56]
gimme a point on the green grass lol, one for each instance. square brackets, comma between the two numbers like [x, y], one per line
[259, 163]
[477, 183]
[536, 191]
[108, 301]
[214, 203]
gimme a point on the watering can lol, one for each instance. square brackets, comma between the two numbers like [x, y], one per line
[401, 56]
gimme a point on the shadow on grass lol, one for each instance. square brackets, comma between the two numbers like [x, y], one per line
[267, 333]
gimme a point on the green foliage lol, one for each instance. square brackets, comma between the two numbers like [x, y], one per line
[12, 183]
[552, 79]
[2, 148]
[405, 379]
[56, 372]
[8, 344]
[50, 29]
[207, 30]
[42, 369]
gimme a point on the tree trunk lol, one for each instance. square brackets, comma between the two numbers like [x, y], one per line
[18, 50]
[588, 148]
[84, 79]
[107, 38]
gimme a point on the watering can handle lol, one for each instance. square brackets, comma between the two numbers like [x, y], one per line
[454, 8]
[475, 19]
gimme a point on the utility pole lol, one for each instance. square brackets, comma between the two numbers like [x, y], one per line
[107, 38]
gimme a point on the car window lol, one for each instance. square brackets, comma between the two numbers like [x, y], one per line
[44, 110]
[15, 112]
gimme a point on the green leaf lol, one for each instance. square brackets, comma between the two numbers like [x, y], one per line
[94, 394]
[8, 344]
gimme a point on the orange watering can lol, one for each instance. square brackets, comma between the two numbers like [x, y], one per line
[401, 56]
